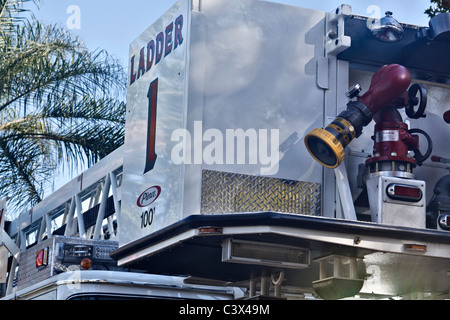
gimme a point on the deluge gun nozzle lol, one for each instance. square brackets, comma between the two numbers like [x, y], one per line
[327, 145]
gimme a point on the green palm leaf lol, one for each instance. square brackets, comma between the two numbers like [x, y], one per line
[60, 104]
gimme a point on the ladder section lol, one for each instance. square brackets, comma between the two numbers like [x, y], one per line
[87, 207]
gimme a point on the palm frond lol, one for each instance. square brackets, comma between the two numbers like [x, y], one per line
[50, 64]
[23, 172]
[60, 104]
[12, 12]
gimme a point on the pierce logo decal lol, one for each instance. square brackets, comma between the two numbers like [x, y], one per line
[148, 196]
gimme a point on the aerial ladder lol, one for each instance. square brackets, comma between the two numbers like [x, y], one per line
[84, 208]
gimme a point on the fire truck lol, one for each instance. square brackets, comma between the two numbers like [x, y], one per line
[271, 151]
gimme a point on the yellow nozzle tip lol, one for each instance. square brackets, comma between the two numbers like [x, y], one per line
[325, 148]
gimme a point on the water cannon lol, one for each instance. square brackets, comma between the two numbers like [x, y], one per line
[388, 91]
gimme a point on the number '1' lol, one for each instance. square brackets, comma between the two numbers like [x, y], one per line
[152, 96]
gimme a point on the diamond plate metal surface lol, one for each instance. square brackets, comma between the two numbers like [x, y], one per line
[225, 192]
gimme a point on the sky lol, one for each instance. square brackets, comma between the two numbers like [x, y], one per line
[113, 25]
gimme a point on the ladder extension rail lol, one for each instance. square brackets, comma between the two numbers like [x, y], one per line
[91, 188]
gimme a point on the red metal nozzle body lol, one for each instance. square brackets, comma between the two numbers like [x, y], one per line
[392, 140]
[388, 84]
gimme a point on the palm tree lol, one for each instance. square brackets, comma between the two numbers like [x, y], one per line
[60, 104]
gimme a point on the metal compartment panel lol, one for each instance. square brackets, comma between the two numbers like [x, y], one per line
[236, 96]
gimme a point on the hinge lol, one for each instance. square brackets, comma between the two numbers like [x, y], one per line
[336, 40]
